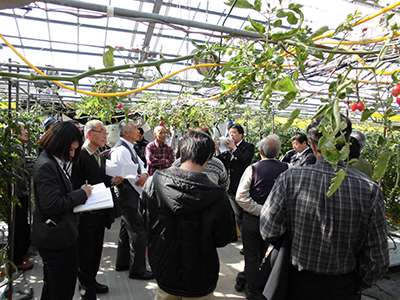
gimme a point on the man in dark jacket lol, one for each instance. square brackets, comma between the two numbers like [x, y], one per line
[253, 190]
[187, 217]
[236, 160]
[92, 169]
[301, 154]
[140, 146]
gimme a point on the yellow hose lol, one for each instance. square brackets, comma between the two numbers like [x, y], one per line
[390, 7]
[109, 94]
[387, 8]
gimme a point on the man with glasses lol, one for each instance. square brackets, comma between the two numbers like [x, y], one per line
[91, 169]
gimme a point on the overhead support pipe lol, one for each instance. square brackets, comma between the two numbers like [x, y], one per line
[155, 18]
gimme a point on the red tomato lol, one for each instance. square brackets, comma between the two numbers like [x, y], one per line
[353, 106]
[398, 100]
[119, 105]
[360, 106]
[396, 90]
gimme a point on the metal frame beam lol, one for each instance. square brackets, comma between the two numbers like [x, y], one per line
[149, 17]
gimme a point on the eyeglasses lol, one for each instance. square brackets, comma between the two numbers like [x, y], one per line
[102, 132]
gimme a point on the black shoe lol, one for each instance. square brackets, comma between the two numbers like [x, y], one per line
[239, 286]
[147, 275]
[251, 295]
[119, 268]
[100, 288]
[241, 251]
[87, 293]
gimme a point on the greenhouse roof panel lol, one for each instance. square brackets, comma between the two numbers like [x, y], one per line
[75, 38]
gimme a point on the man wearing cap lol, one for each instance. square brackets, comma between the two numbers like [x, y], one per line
[50, 122]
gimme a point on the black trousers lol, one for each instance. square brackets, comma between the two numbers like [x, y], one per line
[132, 239]
[91, 237]
[60, 270]
[307, 285]
[236, 209]
[254, 251]
[22, 234]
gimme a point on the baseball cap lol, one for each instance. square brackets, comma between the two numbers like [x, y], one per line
[49, 121]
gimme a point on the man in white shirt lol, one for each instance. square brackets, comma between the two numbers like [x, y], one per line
[132, 236]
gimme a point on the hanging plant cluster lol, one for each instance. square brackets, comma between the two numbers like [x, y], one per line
[103, 107]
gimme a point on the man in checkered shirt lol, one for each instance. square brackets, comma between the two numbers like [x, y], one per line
[339, 243]
[159, 155]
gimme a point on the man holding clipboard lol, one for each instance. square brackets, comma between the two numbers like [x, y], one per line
[132, 238]
[91, 169]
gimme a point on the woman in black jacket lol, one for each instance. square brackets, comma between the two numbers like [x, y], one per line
[55, 230]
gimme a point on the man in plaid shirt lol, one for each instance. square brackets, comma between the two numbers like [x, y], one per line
[158, 154]
[339, 243]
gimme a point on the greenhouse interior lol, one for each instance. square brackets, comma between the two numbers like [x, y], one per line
[270, 66]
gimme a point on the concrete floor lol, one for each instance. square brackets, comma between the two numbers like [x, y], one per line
[121, 287]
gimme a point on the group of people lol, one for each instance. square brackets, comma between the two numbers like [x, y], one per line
[182, 210]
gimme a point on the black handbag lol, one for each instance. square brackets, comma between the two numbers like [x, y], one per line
[274, 272]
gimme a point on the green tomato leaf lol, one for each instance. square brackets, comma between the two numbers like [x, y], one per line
[381, 165]
[394, 76]
[319, 32]
[227, 67]
[290, 96]
[366, 114]
[108, 57]
[240, 4]
[381, 142]
[283, 104]
[292, 19]
[279, 60]
[330, 57]
[295, 7]
[281, 13]
[257, 26]
[257, 5]
[286, 85]
[321, 111]
[277, 23]
[293, 115]
[336, 182]
[344, 152]
[296, 75]
[316, 52]
[261, 60]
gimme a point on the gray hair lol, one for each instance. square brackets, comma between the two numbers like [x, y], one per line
[158, 128]
[124, 126]
[360, 137]
[270, 146]
[91, 125]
